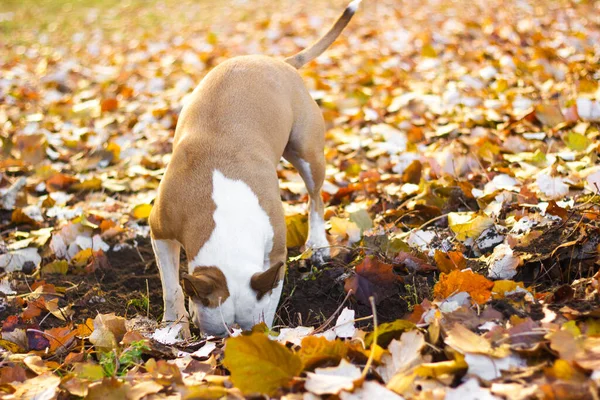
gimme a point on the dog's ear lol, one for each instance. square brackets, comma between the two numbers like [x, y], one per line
[263, 282]
[200, 286]
[206, 284]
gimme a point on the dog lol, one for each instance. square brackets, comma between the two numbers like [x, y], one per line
[220, 199]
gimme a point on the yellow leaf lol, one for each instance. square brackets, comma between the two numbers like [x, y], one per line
[141, 211]
[478, 287]
[435, 370]
[260, 365]
[571, 327]
[56, 267]
[389, 331]
[204, 391]
[401, 382]
[296, 230]
[468, 224]
[562, 369]
[344, 228]
[503, 286]
[89, 184]
[115, 149]
[84, 330]
[428, 51]
[81, 259]
[316, 350]
[92, 372]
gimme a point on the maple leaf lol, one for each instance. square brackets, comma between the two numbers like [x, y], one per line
[477, 286]
[260, 365]
[372, 278]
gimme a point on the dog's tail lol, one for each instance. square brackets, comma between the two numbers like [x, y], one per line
[325, 41]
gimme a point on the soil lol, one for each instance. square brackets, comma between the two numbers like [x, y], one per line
[130, 279]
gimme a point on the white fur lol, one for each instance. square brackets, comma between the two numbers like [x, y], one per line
[354, 5]
[316, 234]
[167, 259]
[304, 169]
[239, 246]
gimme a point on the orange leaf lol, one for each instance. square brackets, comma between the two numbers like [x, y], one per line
[60, 337]
[84, 330]
[34, 308]
[60, 182]
[447, 262]
[109, 104]
[478, 287]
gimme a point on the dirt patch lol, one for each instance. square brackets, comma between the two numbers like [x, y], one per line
[310, 298]
[130, 285]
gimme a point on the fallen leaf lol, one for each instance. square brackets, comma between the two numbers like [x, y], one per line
[477, 286]
[260, 365]
[332, 380]
[468, 224]
[372, 278]
[315, 351]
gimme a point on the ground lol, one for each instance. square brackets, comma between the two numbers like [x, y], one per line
[462, 200]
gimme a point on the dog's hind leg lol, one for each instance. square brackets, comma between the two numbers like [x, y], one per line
[167, 260]
[305, 151]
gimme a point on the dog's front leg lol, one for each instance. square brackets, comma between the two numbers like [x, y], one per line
[167, 259]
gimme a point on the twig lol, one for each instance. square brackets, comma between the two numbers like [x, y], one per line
[328, 321]
[147, 300]
[374, 343]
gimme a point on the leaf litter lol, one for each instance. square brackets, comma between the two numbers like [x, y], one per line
[462, 195]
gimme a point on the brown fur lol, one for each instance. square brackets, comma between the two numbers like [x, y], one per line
[276, 116]
[264, 282]
[246, 113]
[207, 284]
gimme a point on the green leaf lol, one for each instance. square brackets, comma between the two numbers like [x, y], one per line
[577, 142]
[362, 219]
[259, 365]
[389, 331]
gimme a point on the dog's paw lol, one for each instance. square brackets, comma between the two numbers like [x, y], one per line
[171, 333]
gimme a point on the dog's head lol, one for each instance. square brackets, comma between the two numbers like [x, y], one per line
[216, 304]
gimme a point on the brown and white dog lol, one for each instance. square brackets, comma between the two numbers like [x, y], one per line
[220, 199]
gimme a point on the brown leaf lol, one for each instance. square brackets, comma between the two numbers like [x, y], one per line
[372, 278]
[412, 173]
[12, 374]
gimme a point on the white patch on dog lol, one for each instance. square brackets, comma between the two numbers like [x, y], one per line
[239, 246]
[316, 234]
[304, 169]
